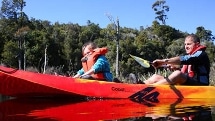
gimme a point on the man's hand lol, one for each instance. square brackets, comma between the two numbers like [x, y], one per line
[159, 63]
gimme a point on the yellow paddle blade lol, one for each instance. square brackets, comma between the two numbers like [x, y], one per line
[141, 61]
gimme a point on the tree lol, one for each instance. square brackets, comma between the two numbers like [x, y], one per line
[16, 23]
[10, 53]
[160, 8]
[72, 48]
[165, 33]
[176, 48]
[20, 34]
[12, 9]
[204, 35]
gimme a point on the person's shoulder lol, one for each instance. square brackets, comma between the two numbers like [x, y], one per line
[101, 56]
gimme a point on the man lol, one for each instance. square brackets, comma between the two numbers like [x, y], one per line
[195, 70]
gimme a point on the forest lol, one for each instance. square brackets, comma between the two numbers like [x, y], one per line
[45, 47]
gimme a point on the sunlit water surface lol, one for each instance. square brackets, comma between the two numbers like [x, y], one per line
[106, 110]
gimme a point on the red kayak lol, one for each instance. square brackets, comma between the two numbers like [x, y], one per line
[19, 83]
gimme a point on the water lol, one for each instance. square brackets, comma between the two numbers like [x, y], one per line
[106, 110]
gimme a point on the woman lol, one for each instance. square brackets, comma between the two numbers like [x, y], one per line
[94, 63]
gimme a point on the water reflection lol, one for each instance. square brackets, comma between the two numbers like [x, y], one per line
[94, 110]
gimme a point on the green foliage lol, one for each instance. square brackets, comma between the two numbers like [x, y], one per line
[165, 33]
[212, 75]
[210, 50]
[176, 48]
[10, 54]
[204, 35]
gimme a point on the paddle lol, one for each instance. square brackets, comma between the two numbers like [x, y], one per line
[142, 62]
[145, 63]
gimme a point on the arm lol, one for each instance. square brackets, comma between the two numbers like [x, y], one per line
[91, 71]
[160, 62]
[174, 60]
[79, 73]
[178, 60]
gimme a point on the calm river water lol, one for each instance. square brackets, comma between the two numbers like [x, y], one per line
[106, 110]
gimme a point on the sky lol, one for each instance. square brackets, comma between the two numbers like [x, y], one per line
[184, 15]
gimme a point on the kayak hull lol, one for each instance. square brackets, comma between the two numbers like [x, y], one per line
[19, 83]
